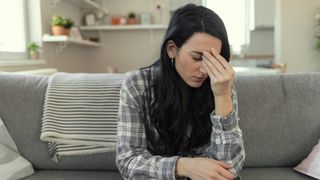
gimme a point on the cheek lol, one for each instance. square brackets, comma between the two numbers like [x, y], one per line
[186, 66]
[191, 67]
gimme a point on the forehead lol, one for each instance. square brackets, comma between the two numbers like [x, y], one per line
[202, 42]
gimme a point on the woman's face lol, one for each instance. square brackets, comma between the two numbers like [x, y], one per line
[188, 59]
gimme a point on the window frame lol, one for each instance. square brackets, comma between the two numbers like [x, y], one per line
[4, 55]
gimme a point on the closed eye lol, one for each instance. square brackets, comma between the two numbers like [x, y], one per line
[197, 59]
[197, 56]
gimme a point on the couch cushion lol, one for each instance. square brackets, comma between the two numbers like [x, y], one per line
[279, 117]
[74, 175]
[21, 107]
[12, 165]
[272, 174]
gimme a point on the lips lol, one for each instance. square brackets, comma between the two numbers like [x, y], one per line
[199, 78]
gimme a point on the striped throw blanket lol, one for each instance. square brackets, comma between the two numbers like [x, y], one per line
[80, 113]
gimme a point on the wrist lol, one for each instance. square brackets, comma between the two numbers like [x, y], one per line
[223, 105]
[182, 167]
[222, 92]
[222, 96]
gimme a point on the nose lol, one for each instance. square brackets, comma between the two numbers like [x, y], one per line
[202, 69]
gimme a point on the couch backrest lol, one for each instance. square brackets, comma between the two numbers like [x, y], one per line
[21, 107]
[279, 117]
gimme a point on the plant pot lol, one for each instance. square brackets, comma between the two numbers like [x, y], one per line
[34, 55]
[118, 20]
[67, 31]
[115, 20]
[59, 31]
[132, 21]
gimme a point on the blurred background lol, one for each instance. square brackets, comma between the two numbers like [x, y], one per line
[117, 36]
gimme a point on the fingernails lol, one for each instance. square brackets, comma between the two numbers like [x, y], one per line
[213, 50]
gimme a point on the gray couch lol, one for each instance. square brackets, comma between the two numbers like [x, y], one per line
[279, 116]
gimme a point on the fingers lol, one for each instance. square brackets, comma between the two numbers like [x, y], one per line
[213, 64]
[212, 72]
[224, 164]
[226, 174]
[224, 169]
[207, 168]
[216, 72]
[221, 59]
[221, 178]
[214, 59]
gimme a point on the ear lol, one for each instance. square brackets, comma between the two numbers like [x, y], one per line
[171, 49]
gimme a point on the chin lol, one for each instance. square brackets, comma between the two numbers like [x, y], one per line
[195, 84]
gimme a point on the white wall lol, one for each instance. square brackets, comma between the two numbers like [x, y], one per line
[126, 50]
[294, 38]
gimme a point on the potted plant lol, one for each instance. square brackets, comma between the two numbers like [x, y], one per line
[68, 23]
[132, 18]
[33, 49]
[57, 23]
[61, 25]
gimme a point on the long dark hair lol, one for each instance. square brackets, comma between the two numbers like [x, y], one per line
[166, 129]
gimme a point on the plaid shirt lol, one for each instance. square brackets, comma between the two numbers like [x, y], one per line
[135, 162]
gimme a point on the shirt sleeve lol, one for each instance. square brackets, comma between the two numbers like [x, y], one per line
[226, 138]
[132, 158]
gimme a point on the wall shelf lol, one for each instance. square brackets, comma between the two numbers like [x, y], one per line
[66, 39]
[263, 28]
[125, 27]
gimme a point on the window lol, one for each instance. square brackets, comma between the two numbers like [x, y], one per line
[13, 31]
[235, 15]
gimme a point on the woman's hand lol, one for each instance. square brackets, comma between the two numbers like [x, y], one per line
[204, 169]
[220, 72]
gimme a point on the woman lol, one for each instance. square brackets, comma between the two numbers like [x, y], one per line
[178, 118]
